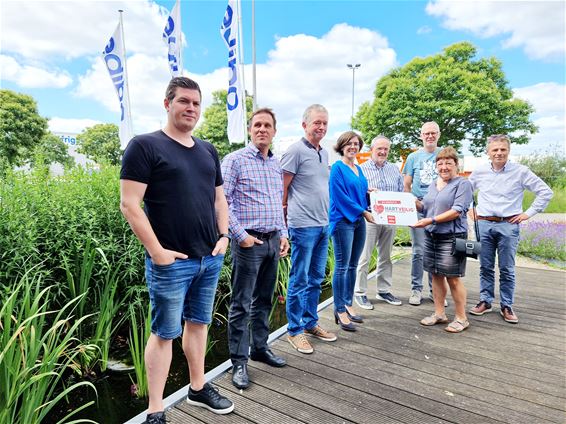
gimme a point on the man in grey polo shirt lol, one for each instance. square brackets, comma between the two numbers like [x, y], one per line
[305, 200]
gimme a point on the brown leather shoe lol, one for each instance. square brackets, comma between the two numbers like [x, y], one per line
[508, 315]
[481, 308]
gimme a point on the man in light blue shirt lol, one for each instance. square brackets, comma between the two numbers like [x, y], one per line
[420, 172]
[501, 185]
[383, 176]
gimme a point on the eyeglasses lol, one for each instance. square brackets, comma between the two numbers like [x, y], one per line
[426, 134]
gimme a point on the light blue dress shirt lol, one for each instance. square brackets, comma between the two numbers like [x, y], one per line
[501, 192]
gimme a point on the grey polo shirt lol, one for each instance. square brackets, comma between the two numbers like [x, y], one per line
[307, 198]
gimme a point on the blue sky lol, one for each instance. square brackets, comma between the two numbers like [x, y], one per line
[50, 50]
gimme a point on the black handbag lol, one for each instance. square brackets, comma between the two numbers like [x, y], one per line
[470, 248]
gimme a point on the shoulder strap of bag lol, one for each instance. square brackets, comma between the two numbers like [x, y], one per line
[475, 218]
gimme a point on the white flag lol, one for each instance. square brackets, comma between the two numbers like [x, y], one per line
[236, 99]
[115, 60]
[172, 37]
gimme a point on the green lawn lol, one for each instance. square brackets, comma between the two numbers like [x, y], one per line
[556, 205]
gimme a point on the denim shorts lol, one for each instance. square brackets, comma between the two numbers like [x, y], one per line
[181, 291]
[438, 258]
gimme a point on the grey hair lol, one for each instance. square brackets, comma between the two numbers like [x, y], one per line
[430, 123]
[313, 108]
[498, 137]
[379, 137]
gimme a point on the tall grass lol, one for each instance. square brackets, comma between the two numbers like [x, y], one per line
[38, 348]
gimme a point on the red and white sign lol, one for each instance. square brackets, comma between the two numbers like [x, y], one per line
[393, 208]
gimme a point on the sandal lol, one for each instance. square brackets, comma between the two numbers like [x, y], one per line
[433, 320]
[457, 326]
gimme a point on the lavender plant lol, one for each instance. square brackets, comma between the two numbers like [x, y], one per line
[544, 240]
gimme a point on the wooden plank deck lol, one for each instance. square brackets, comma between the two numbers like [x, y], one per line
[393, 370]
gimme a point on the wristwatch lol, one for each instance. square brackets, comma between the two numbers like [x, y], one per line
[224, 235]
[433, 221]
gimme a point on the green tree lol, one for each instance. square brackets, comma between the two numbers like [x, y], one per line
[101, 143]
[469, 99]
[21, 127]
[214, 128]
[52, 149]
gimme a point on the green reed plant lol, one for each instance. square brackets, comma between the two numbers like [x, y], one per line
[108, 320]
[139, 335]
[330, 265]
[38, 348]
[79, 277]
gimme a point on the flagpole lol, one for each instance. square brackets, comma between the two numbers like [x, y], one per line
[126, 79]
[180, 40]
[253, 58]
[241, 54]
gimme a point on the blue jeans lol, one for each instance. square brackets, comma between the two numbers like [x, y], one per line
[417, 269]
[309, 251]
[181, 291]
[503, 238]
[348, 239]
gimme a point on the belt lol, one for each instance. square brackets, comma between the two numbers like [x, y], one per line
[262, 236]
[496, 218]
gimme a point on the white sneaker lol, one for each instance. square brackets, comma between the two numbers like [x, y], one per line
[416, 297]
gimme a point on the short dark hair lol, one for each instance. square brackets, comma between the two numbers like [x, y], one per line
[182, 82]
[448, 153]
[344, 139]
[263, 110]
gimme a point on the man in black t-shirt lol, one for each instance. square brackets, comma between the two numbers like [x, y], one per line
[185, 234]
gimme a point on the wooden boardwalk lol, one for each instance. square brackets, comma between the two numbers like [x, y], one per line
[393, 370]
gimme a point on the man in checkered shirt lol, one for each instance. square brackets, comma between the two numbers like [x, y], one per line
[253, 184]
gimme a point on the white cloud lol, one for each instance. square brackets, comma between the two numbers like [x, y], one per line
[301, 70]
[424, 30]
[71, 29]
[27, 76]
[70, 126]
[536, 26]
[549, 102]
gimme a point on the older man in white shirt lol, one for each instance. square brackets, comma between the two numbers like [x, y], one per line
[500, 211]
[384, 176]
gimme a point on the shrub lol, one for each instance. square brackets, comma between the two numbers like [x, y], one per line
[47, 222]
[550, 166]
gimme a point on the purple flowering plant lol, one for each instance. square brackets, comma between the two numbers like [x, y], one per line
[544, 240]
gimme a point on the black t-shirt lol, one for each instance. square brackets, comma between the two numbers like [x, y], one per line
[180, 194]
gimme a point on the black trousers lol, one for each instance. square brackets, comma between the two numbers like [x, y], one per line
[254, 272]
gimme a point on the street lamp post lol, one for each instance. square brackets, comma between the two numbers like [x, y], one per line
[353, 68]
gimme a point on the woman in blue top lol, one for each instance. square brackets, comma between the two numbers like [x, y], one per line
[348, 208]
[444, 207]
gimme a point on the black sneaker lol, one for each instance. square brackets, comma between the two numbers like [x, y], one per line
[156, 418]
[210, 399]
